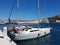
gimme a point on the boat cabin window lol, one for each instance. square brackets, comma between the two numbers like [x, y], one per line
[1, 37]
[34, 30]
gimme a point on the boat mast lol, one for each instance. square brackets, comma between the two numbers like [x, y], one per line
[38, 15]
[17, 10]
[46, 12]
[45, 7]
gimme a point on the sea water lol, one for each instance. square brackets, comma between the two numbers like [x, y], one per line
[52, 39]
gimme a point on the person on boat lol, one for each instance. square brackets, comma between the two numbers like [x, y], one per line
[13, 28]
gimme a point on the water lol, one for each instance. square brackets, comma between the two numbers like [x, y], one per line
[52, 39]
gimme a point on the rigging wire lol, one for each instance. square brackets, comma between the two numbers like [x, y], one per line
[11, 11]
[17, 10]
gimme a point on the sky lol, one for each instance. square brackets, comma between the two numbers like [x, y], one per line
[28, 9]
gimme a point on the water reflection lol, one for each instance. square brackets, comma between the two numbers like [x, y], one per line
[37, 41]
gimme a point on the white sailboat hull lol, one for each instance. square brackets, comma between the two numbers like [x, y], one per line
[32, 33]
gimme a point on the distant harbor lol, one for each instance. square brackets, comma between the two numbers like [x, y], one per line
[50, 19]
[29, 22]
[24, 21]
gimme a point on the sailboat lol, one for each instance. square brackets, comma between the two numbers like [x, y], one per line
[26, 32]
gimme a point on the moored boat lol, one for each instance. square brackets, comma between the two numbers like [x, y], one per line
[26, 32]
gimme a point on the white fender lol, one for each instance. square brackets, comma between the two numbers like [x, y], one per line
[5, 32]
